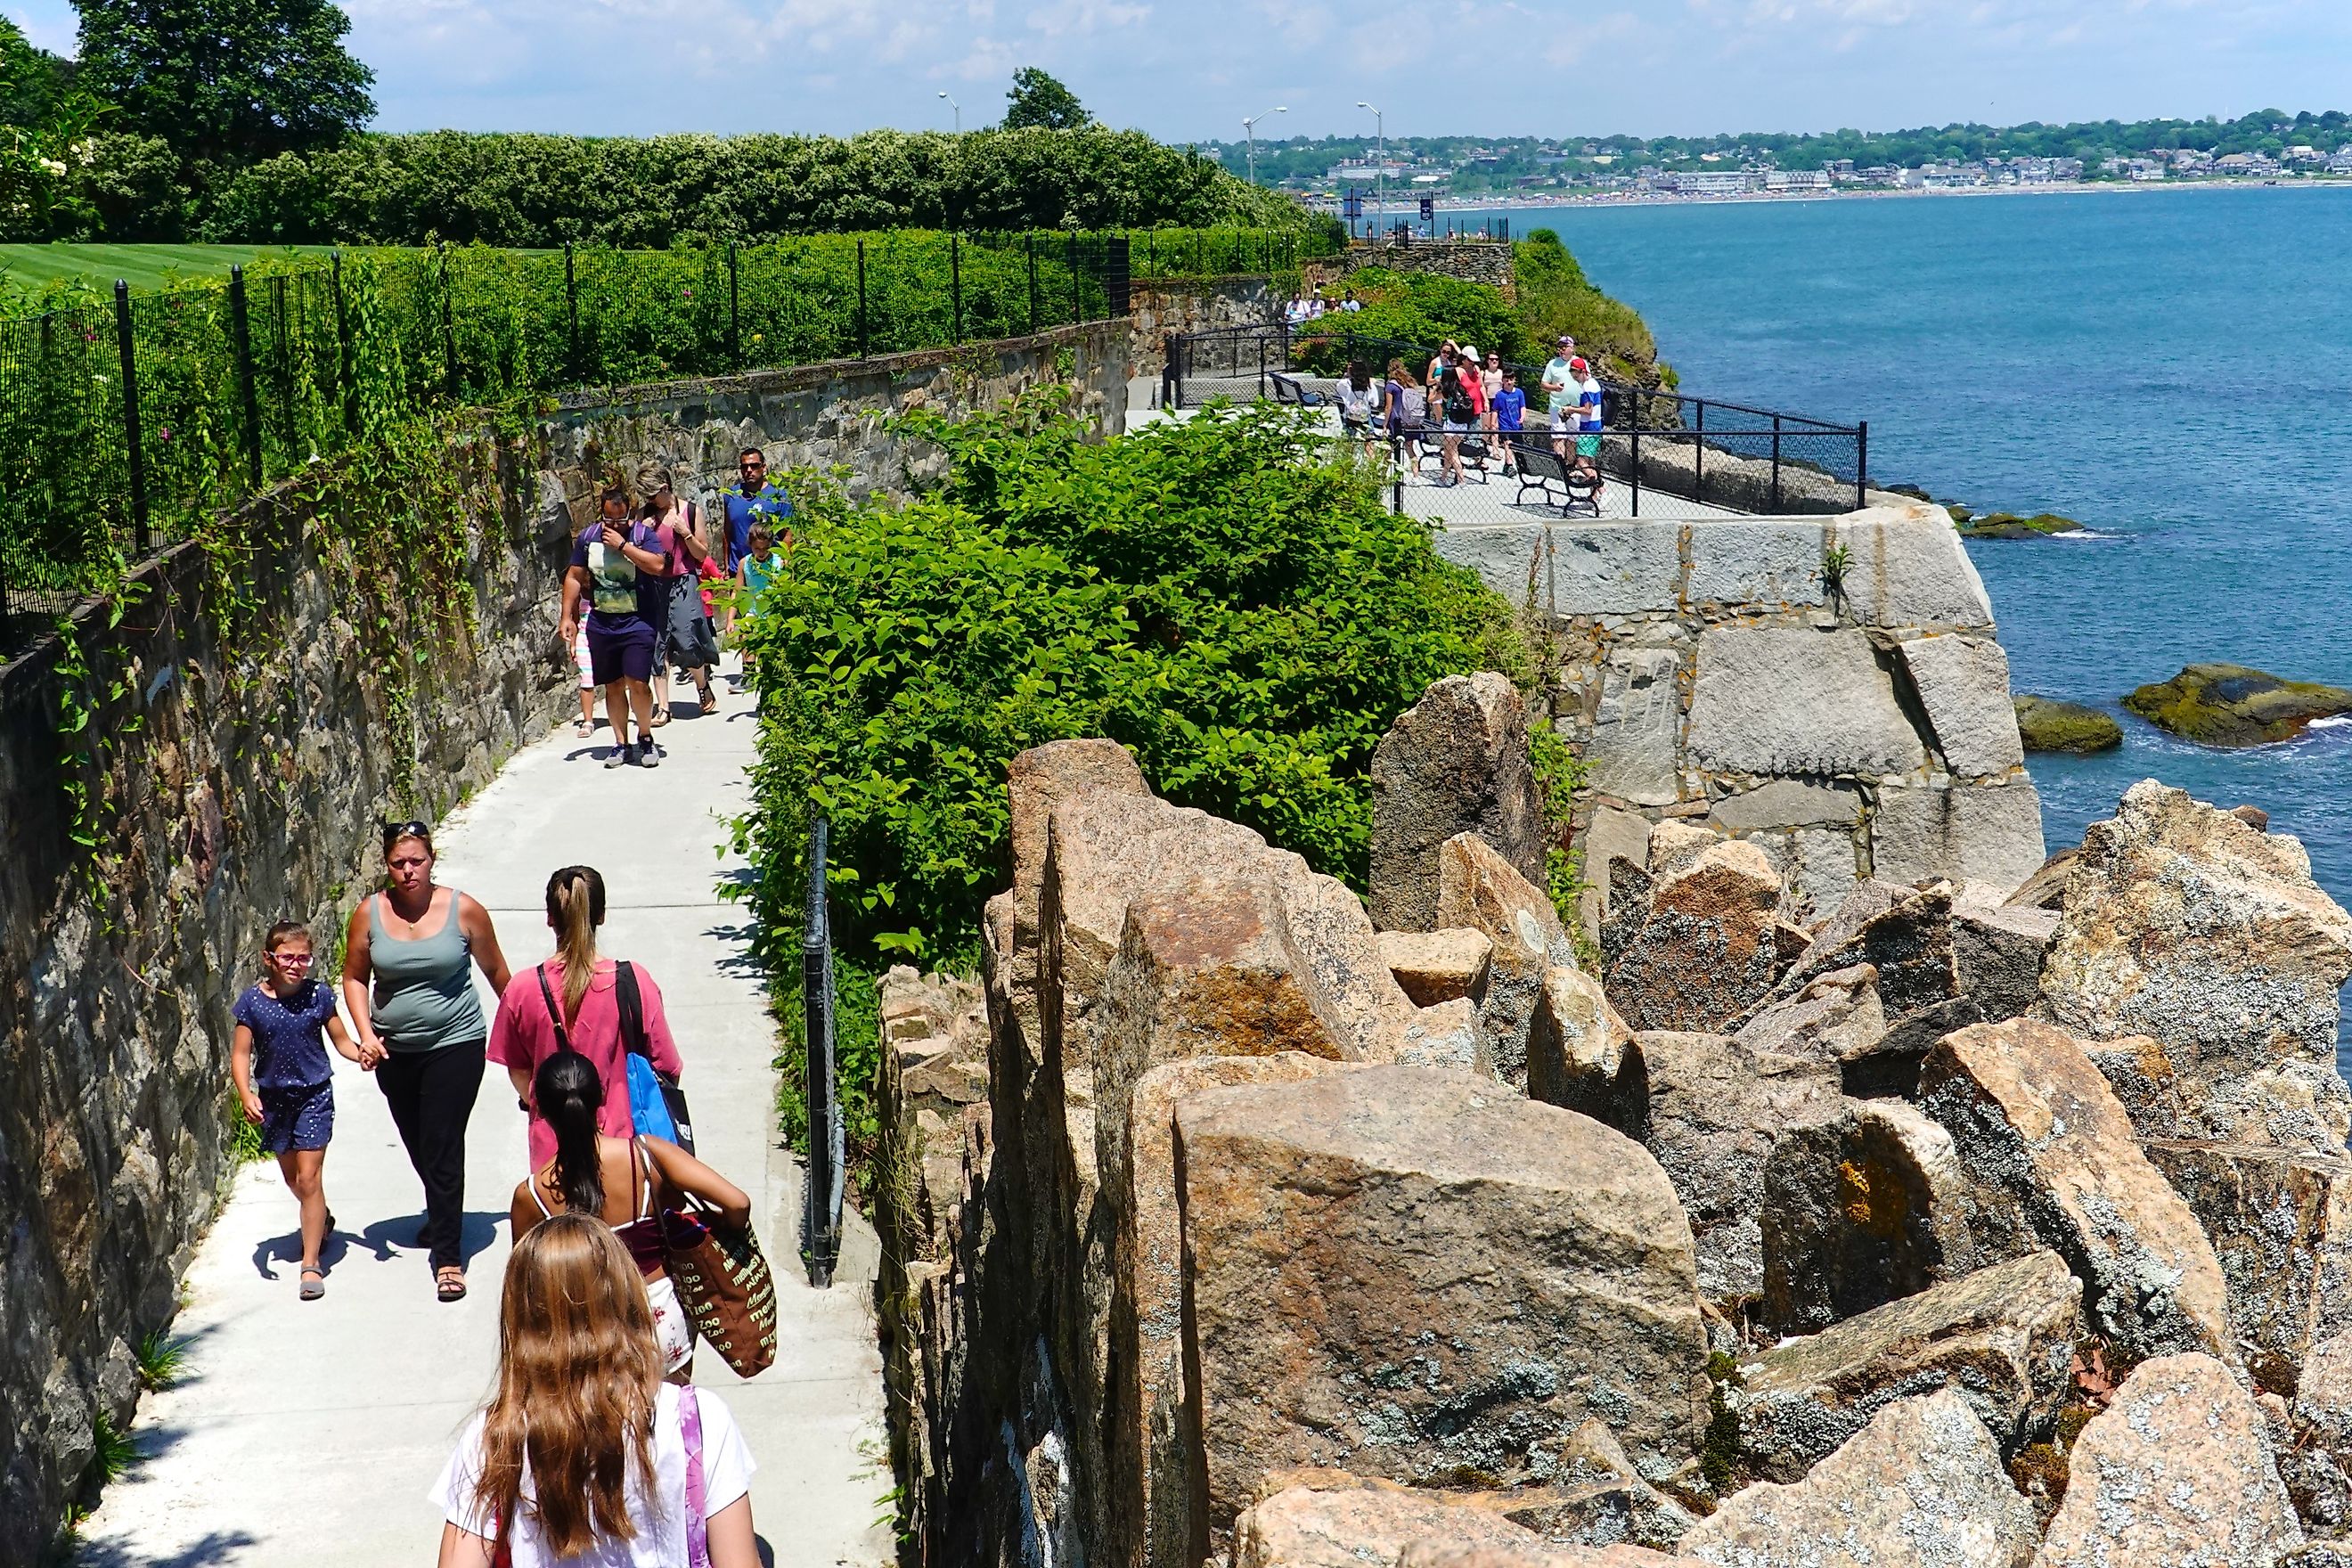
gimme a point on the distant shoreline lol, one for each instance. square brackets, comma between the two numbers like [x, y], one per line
[1403, 210]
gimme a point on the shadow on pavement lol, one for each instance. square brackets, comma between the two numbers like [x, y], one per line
[215, 1548]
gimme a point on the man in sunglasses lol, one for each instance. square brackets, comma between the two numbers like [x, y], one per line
[754, 498]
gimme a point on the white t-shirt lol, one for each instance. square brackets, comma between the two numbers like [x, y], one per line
[1559, 385]
[1589, 396]
[660, 1541]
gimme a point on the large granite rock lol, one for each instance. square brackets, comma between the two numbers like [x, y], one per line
[1433, 1553]
[1478, 890]
[1597, 1497]
[1612, 839]
[1582, 1056]
[1999, 948]
[2053, 1161]
[1792, 700]
[1340, 1523]
[1712, 1111]
[2002, 1337]
[1921, 1483]
[1859, 1209]
[1705, 953]
[1632, 754]
[2281, 1223]
[1456, 761]
[1155, 1410]
[2190, 925]
[2176, 1471]
[1404, 1273]
[1833, 1017]
[1963, 684]
[1908, 567]
[2232, 705]
[1438, 967]
[1970, 832]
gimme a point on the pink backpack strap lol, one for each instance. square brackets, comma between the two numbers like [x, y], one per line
[698, 1529]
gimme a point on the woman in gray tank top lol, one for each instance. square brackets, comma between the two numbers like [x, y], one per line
[409, 956]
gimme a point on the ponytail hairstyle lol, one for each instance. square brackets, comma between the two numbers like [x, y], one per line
[569, 1092]
[576, 907]
[579, 1375]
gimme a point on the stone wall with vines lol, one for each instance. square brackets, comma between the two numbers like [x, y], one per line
[212, 749]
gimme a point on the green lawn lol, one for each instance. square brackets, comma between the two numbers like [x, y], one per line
[146, 266]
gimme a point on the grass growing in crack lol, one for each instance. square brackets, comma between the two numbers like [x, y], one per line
[162, 1359]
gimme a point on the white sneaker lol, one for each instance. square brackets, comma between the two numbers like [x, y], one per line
[621, 756]
[649, 755]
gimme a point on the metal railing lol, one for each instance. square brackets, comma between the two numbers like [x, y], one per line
[822, 1186]
[122, 428]
[1728, 455]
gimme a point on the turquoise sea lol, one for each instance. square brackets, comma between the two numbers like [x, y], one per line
[2172, 367]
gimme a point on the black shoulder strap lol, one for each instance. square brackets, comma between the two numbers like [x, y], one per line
[554, 1012]
[632, 1009]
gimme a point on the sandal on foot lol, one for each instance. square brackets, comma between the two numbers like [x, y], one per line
[661, 717]
[583, 727]
[314, 1284]
[449, 1284]
[710, 702]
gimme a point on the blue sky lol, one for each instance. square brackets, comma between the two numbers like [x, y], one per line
[1187, 69]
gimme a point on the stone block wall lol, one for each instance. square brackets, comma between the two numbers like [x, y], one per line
[1485, 261]
[1177, 307]
[1706, 669]
[242, 783]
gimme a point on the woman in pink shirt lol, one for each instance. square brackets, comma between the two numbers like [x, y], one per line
[587, 991]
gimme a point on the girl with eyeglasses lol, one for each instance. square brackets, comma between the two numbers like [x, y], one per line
[409, 954]
[285, 1082]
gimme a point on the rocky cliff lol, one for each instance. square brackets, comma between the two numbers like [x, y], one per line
[1902, 1217]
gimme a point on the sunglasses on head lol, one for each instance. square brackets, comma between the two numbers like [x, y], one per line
[411, 828]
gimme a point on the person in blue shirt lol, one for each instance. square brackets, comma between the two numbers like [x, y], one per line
[1510, 414]
[752, 498]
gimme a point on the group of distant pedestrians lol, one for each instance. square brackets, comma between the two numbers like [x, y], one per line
[643, 595]
[1314, 307]
[592, 1440]
[1460, 395]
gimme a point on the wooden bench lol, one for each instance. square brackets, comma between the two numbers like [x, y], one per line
[1541, 469]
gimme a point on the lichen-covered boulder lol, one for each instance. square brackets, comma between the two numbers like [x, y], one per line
[2176, 1471]
[2052, 724]
[1580, 1055]
[1832, 1016]
[1712, 1111]
[1404, 1272]
[2188, 924]
[1868, 1205]
[2281, 1223]
[2002, 1338]
[1477, 889]
[1921, 1483]
[2053, 1162]
[1456, 761]
[1705, 953]
[2233, 705]
[1597, 1497]
[1342, 1522]
[1433, 1553]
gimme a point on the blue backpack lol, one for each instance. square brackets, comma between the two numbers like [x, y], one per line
[657, 1105]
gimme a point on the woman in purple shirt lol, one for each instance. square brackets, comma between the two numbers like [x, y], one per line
[620, 567]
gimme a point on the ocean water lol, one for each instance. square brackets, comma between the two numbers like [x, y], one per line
[2174, 368]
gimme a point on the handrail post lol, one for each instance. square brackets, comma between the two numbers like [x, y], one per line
[1776, 463]
[1030, 241]
[734, 311]
[1860, 465]
[861, 298]
[448, 328]
[1698, 455]
[350, 396]
[955, 284]
[574, 369]
[1637, 458]
[240, 325]
[1078, 311]
[822, 1192]
[133, 440]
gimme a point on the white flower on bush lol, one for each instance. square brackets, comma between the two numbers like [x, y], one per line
[53, 166]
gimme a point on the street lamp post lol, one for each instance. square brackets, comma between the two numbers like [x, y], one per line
[1381, 169]
[1249, 130]
[959, 112]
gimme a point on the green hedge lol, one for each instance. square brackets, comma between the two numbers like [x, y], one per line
[535, 190]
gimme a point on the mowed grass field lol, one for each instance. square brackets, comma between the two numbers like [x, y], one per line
[144, 265]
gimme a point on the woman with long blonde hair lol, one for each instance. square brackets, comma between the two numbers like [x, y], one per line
[578, 1000]
[584, 1454]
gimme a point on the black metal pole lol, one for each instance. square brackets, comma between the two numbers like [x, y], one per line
[861, 298]
[1860, 465]
[572, 370]
[1032, 242]
[241, 336]
[1698, 456]
[1637, 456]
[348, 392]
[819, 1235]
[131, 437]
[1077, 310]
[734, 311]
[284, 368]
[955, 284]
[1776, 462]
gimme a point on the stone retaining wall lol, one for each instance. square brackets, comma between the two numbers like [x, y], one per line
[1160, 309]
[1706, 670]
[243, 784]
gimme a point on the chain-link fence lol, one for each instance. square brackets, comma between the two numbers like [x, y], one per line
[123, 427]
[1655, 448]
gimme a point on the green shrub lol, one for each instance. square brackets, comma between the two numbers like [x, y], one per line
[1220, 595]
[1420, 309]
[1555, 297]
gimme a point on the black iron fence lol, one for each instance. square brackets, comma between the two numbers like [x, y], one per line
[822, 1186]
[1731, 456]
[125, 423]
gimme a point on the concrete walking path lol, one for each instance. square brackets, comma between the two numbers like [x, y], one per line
[307, 1433]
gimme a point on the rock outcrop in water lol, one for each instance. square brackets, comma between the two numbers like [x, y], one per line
[2052, 724]
[2232, 705]
[1941, 1229]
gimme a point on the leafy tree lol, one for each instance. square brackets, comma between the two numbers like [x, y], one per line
[225, 80]
[33, 81]
[1039, 100]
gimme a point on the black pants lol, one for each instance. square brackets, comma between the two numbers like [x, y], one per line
[432, 1098]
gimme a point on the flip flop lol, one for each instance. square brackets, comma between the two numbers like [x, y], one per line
[661, 717]
[449, 1284]
[313, 1288]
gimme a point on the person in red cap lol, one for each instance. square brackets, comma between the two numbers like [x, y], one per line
[1588, 436]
